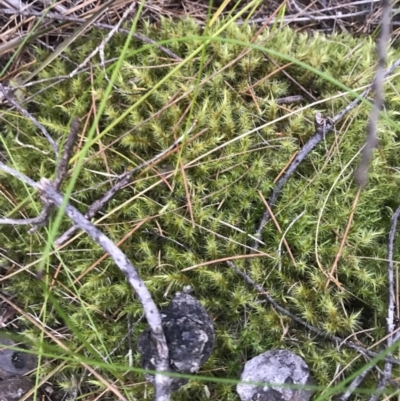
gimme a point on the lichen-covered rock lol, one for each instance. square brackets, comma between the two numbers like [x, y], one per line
[189, 333]
[14, 363]
[276, 366]
[14, 388]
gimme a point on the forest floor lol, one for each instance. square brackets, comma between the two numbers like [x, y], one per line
[32, 31]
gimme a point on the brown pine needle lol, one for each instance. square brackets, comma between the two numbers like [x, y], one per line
[342, 243]
[286, 166]
[187, 192]
[212, 262]
[278, 227]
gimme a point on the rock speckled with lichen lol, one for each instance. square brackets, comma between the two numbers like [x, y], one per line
[12, 362]
[276, 366]
[14, 388]
[189, 333]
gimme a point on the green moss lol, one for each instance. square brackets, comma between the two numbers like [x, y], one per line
[223, 180]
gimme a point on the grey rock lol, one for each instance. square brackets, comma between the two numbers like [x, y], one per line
[275, 366]
[189, 332]
[13, 389]
[14, 363]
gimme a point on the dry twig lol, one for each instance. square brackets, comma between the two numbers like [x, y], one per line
[387, 371]
[377, 86]
[305, 150]
[100, 25]
[123, 180]
[386, 376]
[61, 174]
[7, 94]
[318, 332]
[50, 195]
[353, 385]
[162, 382]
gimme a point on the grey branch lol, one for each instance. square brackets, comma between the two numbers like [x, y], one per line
[48, 192]
[104, 41]
[353, 385]
[299, 320]
[162, 382]
[123, 180]
[60, 17]
[61, 174]
[62, 171]
[20, 176]
[377, 86]
[387, 371]
[23, 222]
[67, 153]
[25, 113]
[304, 151]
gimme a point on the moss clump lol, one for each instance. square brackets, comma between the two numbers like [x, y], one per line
[209, 208]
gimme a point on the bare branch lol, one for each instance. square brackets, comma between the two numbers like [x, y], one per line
[62, 171]
[66, 156]
[377, 86]
[23, 222]
[313, 18]
[303, 153]
[123, 180]
[20, 176]
[309, 327]
[60, 17]
[35, 221]
[162, 382]
[289, 99]
[387, 371]
[25, 113]
[391, 304]
[104, 41]
[353, 385]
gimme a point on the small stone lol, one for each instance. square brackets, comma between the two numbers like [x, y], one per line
[189, 333]
[14, 363]
[275, 366]
[15, 388]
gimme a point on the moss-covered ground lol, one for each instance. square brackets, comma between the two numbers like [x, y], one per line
[203, 201]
